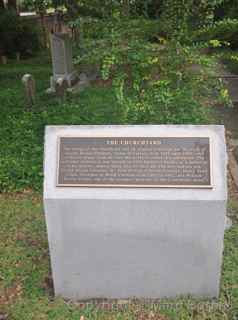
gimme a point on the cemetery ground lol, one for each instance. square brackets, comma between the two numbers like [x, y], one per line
[25, 279]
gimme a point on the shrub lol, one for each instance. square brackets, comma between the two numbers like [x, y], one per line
[8, 30]
[17, 36]
[225, 31]
[139, 28]
[155, 82]
[27, 40]
[180, 17]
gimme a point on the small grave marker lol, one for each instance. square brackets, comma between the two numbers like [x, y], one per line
[30, 89]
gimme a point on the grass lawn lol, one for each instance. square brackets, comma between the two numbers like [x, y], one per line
[26, 285]
[22, 130]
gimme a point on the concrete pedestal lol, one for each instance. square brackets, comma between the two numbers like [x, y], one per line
[135, 242]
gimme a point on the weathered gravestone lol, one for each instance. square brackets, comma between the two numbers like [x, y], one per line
[30, 89]
[135, 211]
[62, 60]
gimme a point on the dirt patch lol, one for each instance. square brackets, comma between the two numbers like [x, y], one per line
[29, 241]
[102, 83]
[150, 316]
[9, 295]
[35, 197]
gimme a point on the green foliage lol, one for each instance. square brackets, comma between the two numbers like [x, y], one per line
[155, 82]
[38, 5]
[225, 31]
[180, 17]
[17, 36]
[27, 40]
[8, 31]
[99, 29]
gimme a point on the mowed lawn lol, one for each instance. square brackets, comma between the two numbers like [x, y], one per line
[25, 277]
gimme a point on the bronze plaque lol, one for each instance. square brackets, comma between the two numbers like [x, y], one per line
[134, 162]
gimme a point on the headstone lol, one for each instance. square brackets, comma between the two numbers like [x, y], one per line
[62, 60]
[135, 211]
[29, 88]
[3, 59]
[60, 88]
[18, 56]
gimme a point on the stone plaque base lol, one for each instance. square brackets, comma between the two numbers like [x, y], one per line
[72, 79]
[135, 242]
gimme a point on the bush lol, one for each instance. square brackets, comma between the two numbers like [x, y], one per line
[224, 31]
[17, 36]
[140, 28]
[155, 82]
[27, 40]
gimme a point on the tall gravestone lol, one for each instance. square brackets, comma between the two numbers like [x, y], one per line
[135, 211]
[62, 60]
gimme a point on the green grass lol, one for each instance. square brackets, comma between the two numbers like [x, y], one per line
[26, 289]
[22, 130]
